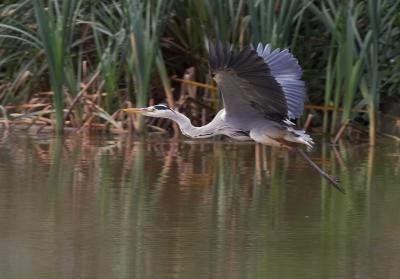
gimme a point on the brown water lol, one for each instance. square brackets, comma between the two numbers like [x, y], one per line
[79, 207]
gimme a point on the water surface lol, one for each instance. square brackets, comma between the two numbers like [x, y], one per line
[102, 207]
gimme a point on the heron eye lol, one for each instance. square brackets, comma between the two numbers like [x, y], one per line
[161, 107]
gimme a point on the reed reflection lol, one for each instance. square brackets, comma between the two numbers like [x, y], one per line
[108, 207]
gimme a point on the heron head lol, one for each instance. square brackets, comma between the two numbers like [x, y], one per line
[160, 110]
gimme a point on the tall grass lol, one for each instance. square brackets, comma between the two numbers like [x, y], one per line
[275, 22]
[352, 73]
[110, 37]
[55, 27]
[379, 20]
[19, 52]
[146, 22]
[346, 57]
[227, 19]
[133, 44]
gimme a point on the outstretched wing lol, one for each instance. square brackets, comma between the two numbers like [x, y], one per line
[287, 72]
[249, 90]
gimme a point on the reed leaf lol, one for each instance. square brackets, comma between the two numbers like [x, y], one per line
[55, 27]
[109, 34]
[225, 17]
[348, 49]
[343, 73]
[146, 21]
[274, 22]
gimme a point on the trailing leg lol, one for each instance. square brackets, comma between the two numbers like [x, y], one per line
[331, 179]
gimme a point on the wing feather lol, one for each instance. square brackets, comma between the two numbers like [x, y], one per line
[249, 89]
[287, 72]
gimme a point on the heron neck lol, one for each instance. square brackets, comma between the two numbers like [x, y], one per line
[189, 130]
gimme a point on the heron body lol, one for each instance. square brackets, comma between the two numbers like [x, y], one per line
[261, 90]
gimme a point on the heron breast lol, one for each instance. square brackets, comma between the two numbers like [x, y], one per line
[263, 137]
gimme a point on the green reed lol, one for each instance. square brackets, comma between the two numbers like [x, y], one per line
[55, 27]
[19, 53]
[109, 34]
[346, 58]
[275, 22]
[226, 18]
[382, 16]
[135, 43]
[352, 59]
[145, 24]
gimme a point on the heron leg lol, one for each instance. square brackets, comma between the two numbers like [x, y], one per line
[328, 177]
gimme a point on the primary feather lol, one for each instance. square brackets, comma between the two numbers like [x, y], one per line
[287, 72]
[248, 88]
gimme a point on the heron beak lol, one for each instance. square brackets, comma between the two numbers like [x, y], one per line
[135, 110]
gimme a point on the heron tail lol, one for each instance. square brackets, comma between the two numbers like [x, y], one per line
[299, 136]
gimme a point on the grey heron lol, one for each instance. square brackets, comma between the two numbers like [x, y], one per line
[261, 90]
